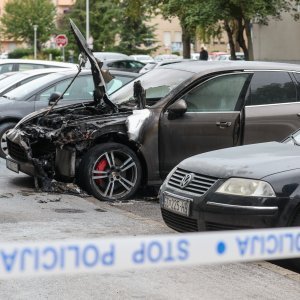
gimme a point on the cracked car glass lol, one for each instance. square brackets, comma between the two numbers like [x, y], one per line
[157, 84]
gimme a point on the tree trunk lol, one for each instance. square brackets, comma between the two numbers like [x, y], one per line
[230, 39]
[249, 39]
[186, 42]
[240, 38]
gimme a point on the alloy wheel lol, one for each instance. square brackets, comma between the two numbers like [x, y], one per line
[114, 174]
[3, 143]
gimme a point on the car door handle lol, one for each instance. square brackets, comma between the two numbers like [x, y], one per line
[223, 124]
[298, 114]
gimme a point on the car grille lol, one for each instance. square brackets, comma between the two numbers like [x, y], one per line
[199, 185]
[178, 222]
[216, 226]
[16, 151]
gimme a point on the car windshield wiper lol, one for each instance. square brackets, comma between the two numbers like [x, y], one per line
[294, 140]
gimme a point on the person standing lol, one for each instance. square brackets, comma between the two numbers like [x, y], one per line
[203, 54]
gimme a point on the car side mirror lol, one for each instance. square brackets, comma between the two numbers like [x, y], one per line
[53, 98]
[177, 109]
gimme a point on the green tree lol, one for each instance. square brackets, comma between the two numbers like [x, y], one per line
[20, 16]
[104, 23]
[135, 31]
[111, 21]
[235, 15]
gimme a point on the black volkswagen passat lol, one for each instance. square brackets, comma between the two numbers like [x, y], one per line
[254, 186]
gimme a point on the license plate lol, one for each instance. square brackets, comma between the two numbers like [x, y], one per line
[13, 166]
[177, 205]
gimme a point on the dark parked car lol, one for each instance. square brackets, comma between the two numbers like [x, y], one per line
[115, 144]
[128, 65]
[34, 95]
[253, 186]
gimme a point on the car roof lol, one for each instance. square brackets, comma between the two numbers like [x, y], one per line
[140, 55]
[38, 62]
[119, 59]
[215, 66]
[110, 55]
[40, 71]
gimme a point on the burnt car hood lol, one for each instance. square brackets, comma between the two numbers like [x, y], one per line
[252, 161]
[100, 95]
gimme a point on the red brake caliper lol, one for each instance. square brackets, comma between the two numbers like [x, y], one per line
[101, 166]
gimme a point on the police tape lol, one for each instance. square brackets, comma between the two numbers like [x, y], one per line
[142, 252]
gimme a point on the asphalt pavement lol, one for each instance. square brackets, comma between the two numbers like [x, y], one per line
[26, 215]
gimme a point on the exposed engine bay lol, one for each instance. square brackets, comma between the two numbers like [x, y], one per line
[54, 143]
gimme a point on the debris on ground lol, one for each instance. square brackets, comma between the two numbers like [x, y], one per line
[26, 193]
[58, 187]
[6, 195]
[42, 201]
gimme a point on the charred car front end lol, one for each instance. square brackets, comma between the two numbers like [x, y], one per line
[50, 146]
[60, 144]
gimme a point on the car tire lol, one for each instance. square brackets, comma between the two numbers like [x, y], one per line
[3, 141]
[110, 172]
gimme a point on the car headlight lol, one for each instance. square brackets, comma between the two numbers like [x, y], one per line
[246, 187]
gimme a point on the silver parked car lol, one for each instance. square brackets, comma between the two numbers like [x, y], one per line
[17, 65]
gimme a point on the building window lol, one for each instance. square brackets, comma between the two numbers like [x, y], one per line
[176, 47]
[167, 38]
[178, 37]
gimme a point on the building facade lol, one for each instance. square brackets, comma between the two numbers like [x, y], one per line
[279, 41]
[168, 35]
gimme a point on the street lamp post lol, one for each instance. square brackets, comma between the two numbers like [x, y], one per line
[87, 20]
[35, 30]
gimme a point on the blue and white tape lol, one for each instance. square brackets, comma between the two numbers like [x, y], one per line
[127, 253]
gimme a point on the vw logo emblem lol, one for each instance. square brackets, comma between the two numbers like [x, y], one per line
[186, 180]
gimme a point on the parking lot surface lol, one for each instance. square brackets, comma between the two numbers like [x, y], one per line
[27, 215]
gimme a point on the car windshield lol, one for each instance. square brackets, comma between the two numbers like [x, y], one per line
[4, 83]
[157, 84]
[25, 90]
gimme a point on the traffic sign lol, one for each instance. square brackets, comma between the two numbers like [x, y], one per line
[61, 40]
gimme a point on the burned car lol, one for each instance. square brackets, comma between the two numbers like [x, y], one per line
[114, 144]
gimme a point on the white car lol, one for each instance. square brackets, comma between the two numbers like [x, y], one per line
[4, 55]
[16, 65]
[239, 56]
[195, 55]
[162, 57]
[110, 55]
[142, 58]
